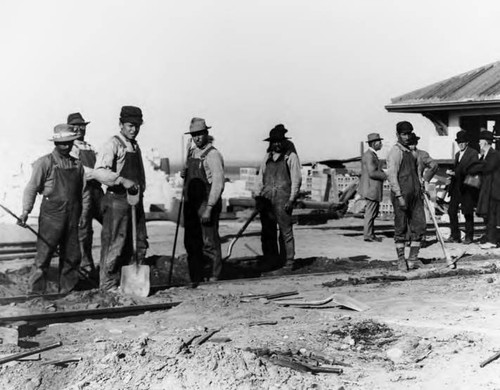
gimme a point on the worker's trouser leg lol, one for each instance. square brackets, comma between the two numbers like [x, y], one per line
[411, 220]
[58, 225]
[469, 226]
[194, 242]
[86, 232]
[273, 214]
[117, 240]
[493, 221]
[453, 214]
[211, 243]
[371, 212]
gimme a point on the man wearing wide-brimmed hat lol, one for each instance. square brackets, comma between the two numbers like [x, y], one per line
[462, 196]
[83, 151]
[60, 179]
[488, 204]
[371, 185]
[279, 184]
[406, 197]
[119, 166]
[203, 186]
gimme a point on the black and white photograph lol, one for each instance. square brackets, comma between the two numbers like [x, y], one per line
[227, 194]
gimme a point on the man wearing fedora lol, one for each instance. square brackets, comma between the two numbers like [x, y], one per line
[279, 183]
[83, 151]
[60, 179]
[406, 197]
[462, 196]
[370, 185]
[203, 186]
[488, 205]
[119, 166]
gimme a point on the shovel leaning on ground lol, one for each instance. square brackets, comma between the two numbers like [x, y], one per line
[450, 262]
[135, 277]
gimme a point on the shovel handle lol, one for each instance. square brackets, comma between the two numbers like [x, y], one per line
[240, 232]
[436, 226]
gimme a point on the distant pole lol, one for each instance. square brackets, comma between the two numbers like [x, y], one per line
[361, 148]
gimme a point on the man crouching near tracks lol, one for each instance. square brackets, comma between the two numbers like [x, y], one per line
[406, 197]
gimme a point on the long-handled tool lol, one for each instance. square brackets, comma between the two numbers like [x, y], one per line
[449, 261]
[175, 240]
[38, 235]
[135, 277]
[239, 234]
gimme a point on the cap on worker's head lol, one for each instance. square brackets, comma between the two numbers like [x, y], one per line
[64, 133]
[76, 119]
[486, 135]
[374, 137]
[198, 125]
[277, 133]
[461, 137]
[131, 114]
[404, 127]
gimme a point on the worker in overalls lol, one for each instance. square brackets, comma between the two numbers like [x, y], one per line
[203, 186]
[60, 179]
[84, 152]
[279, 184]
[406, 197]
[119, 166]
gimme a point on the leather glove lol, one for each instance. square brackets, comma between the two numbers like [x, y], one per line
[402, 203]
[289, 206]
[206, 216]
[22, 219]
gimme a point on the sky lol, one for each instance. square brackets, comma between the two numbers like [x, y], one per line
[323, 68]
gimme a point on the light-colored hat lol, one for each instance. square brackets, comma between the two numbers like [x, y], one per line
[374, 137]
[197, 125]
[64, 133]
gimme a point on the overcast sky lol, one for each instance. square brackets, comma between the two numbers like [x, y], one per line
[325, 69]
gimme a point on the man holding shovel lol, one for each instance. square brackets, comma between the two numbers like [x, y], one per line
[203, 186]
[119, 166]
[406, 197]
[60, 179]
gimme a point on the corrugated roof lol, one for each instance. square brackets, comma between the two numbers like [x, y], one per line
[481, 85]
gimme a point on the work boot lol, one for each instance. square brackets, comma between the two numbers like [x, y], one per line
[413, 258]
[402, 265]
[288, 267]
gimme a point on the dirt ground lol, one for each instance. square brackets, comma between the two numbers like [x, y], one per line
[426, 329]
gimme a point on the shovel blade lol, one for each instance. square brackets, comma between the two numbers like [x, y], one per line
[135, 280]
[349, 302]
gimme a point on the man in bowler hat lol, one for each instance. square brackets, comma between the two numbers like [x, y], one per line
[462, 196]
[279, 183]
[60, 179]
[371, 185]
[203, 186]
[406, 197]
[119, 166]
[84, 152]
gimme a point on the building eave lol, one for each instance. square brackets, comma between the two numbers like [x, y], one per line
[442, 106]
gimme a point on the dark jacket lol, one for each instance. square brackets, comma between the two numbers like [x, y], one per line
[465, 195]
[372, 177]
[489, 168]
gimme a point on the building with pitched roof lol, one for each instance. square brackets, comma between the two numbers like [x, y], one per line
[469, 101]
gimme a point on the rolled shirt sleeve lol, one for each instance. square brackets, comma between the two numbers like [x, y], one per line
[103, 170]
[295, 175]
[215, 164]
[394, 159]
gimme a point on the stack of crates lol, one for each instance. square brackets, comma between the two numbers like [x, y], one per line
[249, 176]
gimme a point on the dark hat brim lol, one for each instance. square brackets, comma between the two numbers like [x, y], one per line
[198, 131]
[276, 139]
[78, 123]
[373, 140]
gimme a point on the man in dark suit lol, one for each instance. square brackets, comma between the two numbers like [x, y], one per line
[488, 205]
[370, 185]
[462, 196]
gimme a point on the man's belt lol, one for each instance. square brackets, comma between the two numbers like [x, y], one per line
[118, 190]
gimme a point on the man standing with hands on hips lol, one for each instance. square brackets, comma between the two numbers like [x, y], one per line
[406, 197]
[203, 186]
[119, 166]
[371, 185]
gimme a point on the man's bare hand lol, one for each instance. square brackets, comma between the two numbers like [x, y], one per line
[127, 183]
[402, 203]
[206, 217]
[289, 206]
[22, 219]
